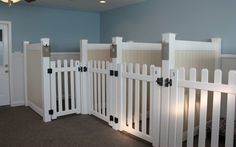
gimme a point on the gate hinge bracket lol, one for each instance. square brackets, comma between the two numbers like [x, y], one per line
[111, 118]
[116, 120]
[168, 82]
[159, 81]
[114, 73]
[82, 69]
[49, 71]
[50, 112]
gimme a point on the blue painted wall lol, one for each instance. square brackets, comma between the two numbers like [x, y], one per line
[65, 28]
[190, 19]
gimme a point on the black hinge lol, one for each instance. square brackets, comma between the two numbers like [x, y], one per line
[114, 73]
[168, 82]
[111, 118]
[50, 112]
[159, 81]
[82, 69]
[116, 120]
[49, 71]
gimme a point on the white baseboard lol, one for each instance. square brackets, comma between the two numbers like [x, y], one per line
[17, 103]
[35, 108]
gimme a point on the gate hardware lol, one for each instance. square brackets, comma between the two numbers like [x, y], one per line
[49, 71]
[50, 112]
[114, 73]
[168, 82]
[160, 81]
[111, 118]
[82, 69]
[116, 120]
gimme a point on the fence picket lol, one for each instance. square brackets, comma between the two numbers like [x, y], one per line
[124, 110]
[144, 101]
[152, 73]
[103, 89]
[107, 89]
[191, 109]
[130, 98]
[59, 85]
[180, 112]
[66, 96]
[216, 111]
[229, 139]
[203, 111]
[53, 89]
[72, 86]
[137, 99]
[95, 87]
[99, 89]
[78, 87]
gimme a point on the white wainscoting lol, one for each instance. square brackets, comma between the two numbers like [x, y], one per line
[228, 62]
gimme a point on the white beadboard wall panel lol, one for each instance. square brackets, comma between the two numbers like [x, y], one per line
[18, 96]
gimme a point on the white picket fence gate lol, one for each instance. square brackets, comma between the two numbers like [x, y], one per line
[145, 101]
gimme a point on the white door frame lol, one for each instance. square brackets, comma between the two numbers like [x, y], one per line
[8, 23]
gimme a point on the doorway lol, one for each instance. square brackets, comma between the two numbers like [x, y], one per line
[5, 51]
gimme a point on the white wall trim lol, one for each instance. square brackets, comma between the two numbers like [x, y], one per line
[65, 53]
[35, 108]
[8, 23]
[228, 55]
[18, 103]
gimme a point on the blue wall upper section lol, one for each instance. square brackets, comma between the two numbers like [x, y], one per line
[65, 28]
[190, 19]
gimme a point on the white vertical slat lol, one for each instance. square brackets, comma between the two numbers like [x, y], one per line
[130, 98]
[173, 109]
[124, 110]
[95, 87]
[59, 84]
[216, 111]
[103, 89]
[180, 112]
[203, 111]
[53, 90]
[229, 138]
[115, 97]
[191, 109]
[119, 96]
[78, 87]
[152, 73]
[66, 96]
[99, 89]
[107, 90]
[90, 85]
[72, 86]
[144, 101]
[155, 128]
[137, 98]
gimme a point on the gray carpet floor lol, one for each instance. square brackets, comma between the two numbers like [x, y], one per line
[22, 127]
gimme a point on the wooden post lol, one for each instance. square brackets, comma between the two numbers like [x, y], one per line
[168, 62]
[25, 72]
[217, 46]
[46, 93]
[84, 78]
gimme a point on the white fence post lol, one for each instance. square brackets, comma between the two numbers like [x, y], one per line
[25, 71]
[217, 45]
[168, 62]
[46, 93]
[84, 78]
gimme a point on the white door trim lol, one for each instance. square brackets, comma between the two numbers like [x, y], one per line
[8, 23]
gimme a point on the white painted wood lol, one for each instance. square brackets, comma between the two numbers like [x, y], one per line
[150, 104]
[103, 89]
[72, 86]
[139, 134]
[137, 98]
[94, 46]
[46, 93]
[228, 56]
[203, 110]
[78, 88]
[66, 95]
[144, 101]
[193, 45]
[116, 102]
[216, 111]
[229, 139]
[53, 90]
[119, 47]
[217, 47]
[25, 44]
[130, 98]
[124, 99]
[155, 127]
[99, 89]
[59, 87]
[35, 108]
[119, 96]
[180, 111]
[108, 91]
[191, 109]
[146, 78]
[173, 109]
[141, 46]
[95, 87]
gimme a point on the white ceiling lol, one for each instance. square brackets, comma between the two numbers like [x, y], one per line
[87, 5]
